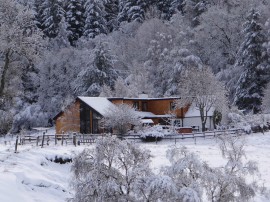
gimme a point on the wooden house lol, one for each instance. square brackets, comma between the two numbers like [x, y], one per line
[85, 114]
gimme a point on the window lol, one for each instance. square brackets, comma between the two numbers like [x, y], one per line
[144, 106]
[172, 106]
[136, 105]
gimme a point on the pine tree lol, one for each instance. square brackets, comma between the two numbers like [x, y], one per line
[111, 12]
[100, 72]
[167, 8]
[51, 12]
[95, 22]
[75, 19]
[131, 10]
[252, 61]
[192, 9]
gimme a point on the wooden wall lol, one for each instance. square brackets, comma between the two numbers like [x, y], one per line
[69, 120]
[158, 107]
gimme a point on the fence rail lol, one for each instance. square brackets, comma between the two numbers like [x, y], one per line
[79, 139]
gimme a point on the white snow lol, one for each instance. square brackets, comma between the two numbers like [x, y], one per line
[194, 112]
[100, 104]
[28, 176]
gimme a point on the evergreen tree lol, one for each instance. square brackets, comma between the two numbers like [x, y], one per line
[111, 12]
[168, 7]
[51, 12]
[75, 19]
[192, 9]
[252, 61]
[100, 72]
[131, 10]
[95, 22]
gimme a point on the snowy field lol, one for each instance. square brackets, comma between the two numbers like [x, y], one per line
[30, 176]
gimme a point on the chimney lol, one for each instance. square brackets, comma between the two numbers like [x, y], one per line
[143, 95]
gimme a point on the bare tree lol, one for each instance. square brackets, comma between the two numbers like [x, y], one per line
[200, 89]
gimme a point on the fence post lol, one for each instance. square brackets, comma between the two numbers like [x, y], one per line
[16, 144]
[175, 141]
[74, 139]
[62, 142]
[156, 140]
[55, 139]
[37, 140]
[43, 138]
[195, 140]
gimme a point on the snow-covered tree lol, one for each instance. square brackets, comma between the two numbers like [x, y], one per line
[95, 22]
[266, 100]
[252, 62]
[19, 38]
[132, 10]
[98, 72]
[200, 89]
[111, 10]
[51, 12]
[229, 183]
[121, 118]
[186, 171]
[166, 64]
[75, 16]
[110, 171]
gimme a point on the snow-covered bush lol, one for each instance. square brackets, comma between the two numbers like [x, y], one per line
[110, 171]
[121, 117]
[249, 122]
[31, 116]
[153, 132]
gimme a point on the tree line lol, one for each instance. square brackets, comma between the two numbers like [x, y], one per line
[54, 50]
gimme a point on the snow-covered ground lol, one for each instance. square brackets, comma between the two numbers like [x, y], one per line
[30, 176]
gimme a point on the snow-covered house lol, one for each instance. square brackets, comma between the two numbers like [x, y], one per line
[85, 114]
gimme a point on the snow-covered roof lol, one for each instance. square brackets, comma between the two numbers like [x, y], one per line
[194, 112]
[147, 121]
[152, 115]
[100, 104]
[142, 98]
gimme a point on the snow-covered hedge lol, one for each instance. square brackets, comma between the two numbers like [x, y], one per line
[154, 131]
[254, 122]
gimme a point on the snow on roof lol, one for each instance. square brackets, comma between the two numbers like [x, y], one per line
[194, 112]
[142, 98]
[100, 104]
[145, 114]
[147, 121]
[151, 115]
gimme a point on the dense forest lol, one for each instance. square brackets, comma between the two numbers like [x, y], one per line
[54, 50]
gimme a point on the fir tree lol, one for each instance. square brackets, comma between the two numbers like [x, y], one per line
[100, 72]
[252, 61]
[75, 19]
[51, 12]
[111, 12]
[95, 22]
[131, 10]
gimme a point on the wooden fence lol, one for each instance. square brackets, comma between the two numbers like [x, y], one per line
[79, 139]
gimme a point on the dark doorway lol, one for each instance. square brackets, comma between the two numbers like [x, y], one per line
[96, 119]
[85, 126]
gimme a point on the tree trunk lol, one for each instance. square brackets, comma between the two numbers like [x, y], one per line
[203, 118]
[4, 73]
